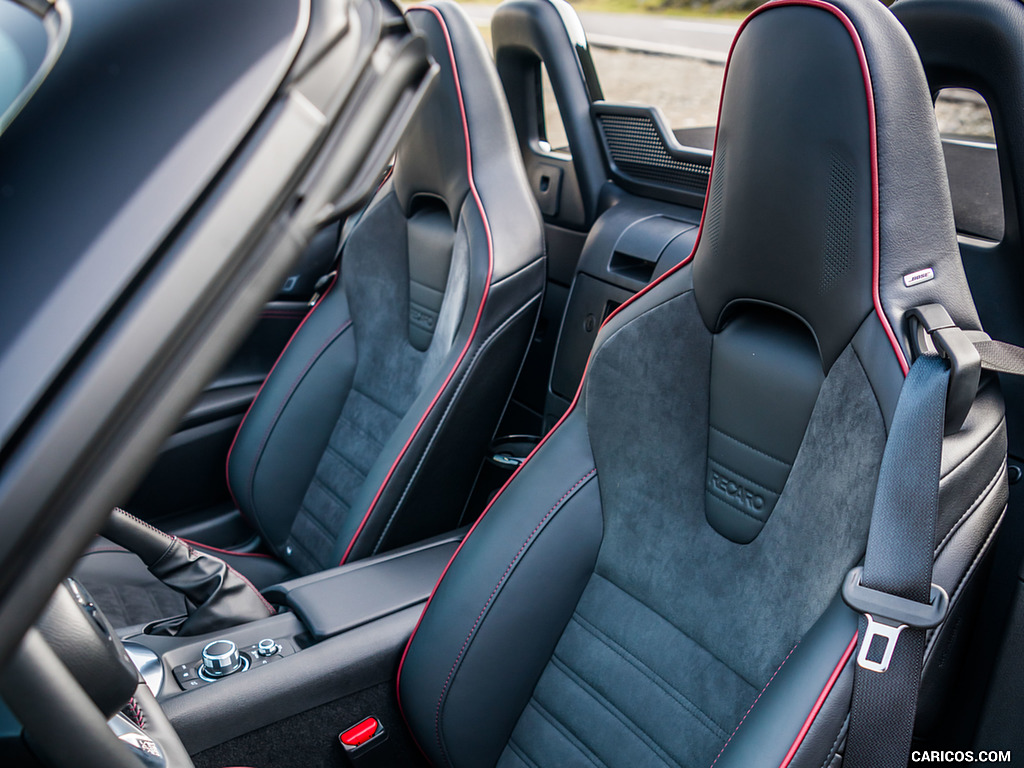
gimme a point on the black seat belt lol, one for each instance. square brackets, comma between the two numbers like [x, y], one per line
[893, 590]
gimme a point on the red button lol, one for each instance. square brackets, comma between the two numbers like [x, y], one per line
[360, 733]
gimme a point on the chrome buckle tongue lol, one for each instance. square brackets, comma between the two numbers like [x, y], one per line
[878, 629]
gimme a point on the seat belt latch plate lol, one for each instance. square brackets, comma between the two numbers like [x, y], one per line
[878, 629]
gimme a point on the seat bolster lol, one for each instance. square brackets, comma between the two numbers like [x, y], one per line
[285, 431]
[973, 494]
[499, 609]
[915, 214]
[797, 717]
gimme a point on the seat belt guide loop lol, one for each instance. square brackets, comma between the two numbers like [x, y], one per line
[933, 332]
[888, 615]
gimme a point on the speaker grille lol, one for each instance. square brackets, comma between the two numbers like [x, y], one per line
[839, 222]
[714, 223]
[639, 151]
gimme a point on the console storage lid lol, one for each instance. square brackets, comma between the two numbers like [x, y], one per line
[333, 601]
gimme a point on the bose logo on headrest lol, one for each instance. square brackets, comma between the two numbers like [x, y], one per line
[921, 276]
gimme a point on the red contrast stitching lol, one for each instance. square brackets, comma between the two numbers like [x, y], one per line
[284, 402]
[219, 551]
[142, 522]
[270, 609]
[751, 708]
[135, 713]
[266, 603]
[497, 587]
[227, 461]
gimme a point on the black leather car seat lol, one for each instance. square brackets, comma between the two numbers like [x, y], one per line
[369, 430]
[659, 583]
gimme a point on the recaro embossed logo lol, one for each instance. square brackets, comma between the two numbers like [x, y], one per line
[735, 491]
[423, 318]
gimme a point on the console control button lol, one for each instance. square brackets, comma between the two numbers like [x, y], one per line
[200, 672]
[188, 677]
[221, 658]
[267, 647]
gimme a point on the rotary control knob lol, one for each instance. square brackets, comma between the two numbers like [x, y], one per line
[267, 647]
[221, 658]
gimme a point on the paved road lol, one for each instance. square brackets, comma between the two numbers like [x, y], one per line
[693, 38]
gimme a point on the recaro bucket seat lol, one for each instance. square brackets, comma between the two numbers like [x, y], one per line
[369, 430]
[660, 583]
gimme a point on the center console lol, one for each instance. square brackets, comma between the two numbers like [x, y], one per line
[341, 631]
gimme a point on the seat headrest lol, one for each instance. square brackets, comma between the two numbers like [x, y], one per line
[461, 150]
[828, 186]
[431, 158]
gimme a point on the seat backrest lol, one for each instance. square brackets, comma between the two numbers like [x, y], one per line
[659, 583]
[370, 428]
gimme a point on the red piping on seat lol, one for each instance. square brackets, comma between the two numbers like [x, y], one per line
[569, 410]
[819, 702]
[873, 142]
[497, 587]
[267, 313]
[483, 298]
[401, 663]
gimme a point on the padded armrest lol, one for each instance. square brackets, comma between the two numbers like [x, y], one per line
[340, 599]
